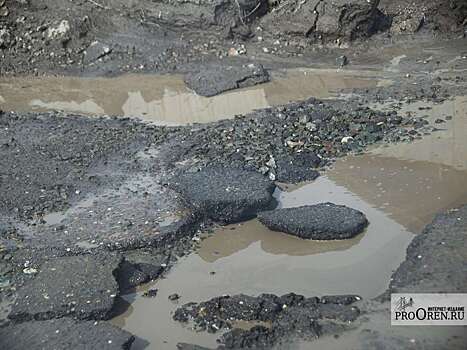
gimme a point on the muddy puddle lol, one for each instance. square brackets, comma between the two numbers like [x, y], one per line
[166, 99]
[399, 187]
[447, 146]
[248, 258]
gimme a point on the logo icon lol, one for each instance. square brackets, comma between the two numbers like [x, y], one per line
[403, 304]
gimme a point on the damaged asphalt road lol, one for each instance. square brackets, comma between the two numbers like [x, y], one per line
[51, 334]
[79, 286]
[423, 269]
[92, 208]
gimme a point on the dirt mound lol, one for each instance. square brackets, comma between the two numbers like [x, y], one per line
[327, 21]
[109, 36]
[432, 15]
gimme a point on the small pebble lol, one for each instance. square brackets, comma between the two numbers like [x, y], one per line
[174, 297]
[151, 293]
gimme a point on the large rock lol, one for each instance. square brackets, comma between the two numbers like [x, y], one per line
[64, 334]
[213, 80]
[80, 286]
[225, 194]
[325, 221]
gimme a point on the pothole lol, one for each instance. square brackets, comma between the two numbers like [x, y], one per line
[399, 187]
[248, 258]
[166, 100]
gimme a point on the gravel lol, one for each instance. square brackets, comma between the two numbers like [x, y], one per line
[307, 134]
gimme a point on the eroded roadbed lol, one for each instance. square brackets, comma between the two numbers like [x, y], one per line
[92, 208]
[113, 230]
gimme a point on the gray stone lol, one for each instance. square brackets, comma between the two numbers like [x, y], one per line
[5, 227]
[5, 38]
[325, 221]
[340, 299]
[129, 276]
[342, 61]
[174, 297]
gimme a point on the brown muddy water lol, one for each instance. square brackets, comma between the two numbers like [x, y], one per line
[166, 100]
[399, 187]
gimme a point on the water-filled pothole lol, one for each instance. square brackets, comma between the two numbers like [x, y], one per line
[399, 187]
[248, 258]
[166, 99]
